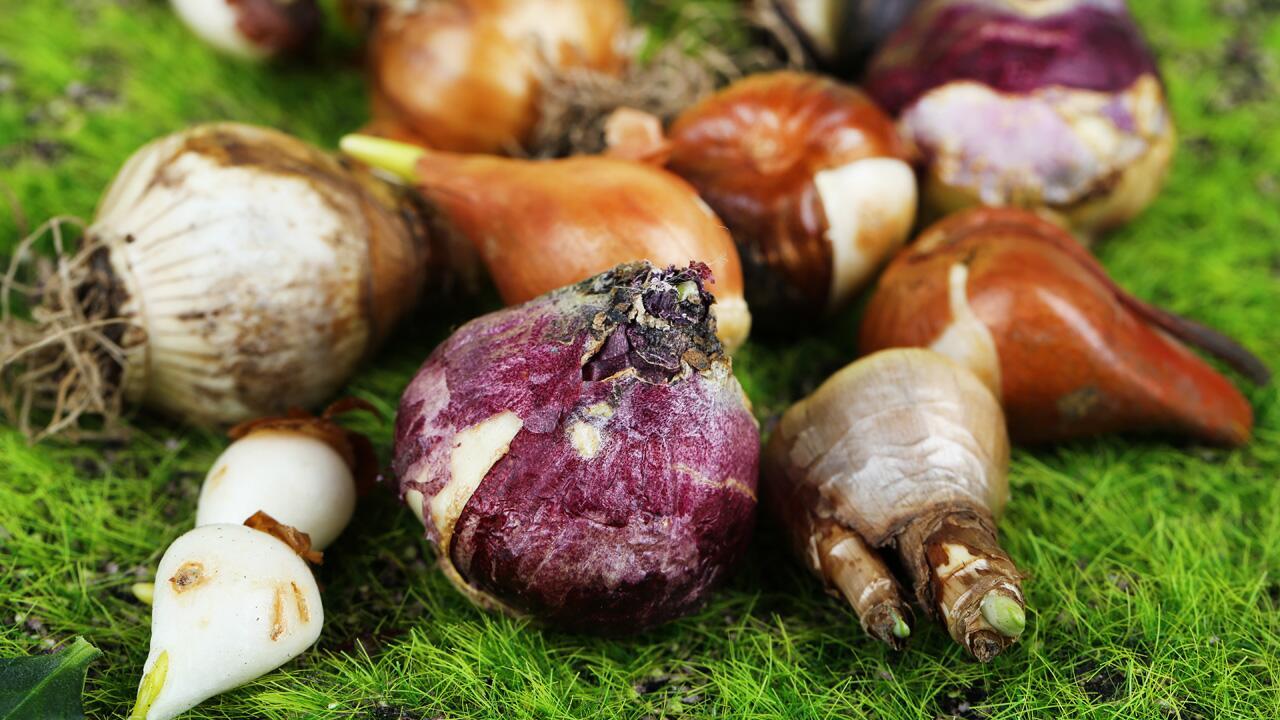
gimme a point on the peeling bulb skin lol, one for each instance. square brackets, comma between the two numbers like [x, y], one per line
[586, 459]
[1100, 361]
[905, 453]
[252, 29]
[1055, 106]
[298, 479]
[539, 225]
[811, 179]
[466, 75]
[231, 604]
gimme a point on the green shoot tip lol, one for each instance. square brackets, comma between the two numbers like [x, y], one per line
[901, 629]
[145, 592]
[400, 159]
[1004, 614]
[150, 687]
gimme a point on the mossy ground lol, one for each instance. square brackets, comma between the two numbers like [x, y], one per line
[1154, 566]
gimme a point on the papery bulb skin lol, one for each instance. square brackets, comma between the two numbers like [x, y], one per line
[252, 29]
[902, 452]
[297, 478]
[1071, 354]
[841, 34]
[812, 181]
[587, 458]
[465, 75]
[253, 271]
[1050, 105]
[539, 225]
[231, 604]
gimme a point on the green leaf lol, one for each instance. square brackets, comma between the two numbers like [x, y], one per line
[46, 687]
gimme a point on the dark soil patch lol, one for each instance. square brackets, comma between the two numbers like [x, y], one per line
[1101, 684]
[962, 702]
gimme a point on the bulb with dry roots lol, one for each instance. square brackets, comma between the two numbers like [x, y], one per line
[252, 29]
[231, 272]
[1052, 105]
[302, 470]
[812, 181]
[231, 604]
[466, 75]
[902, 454]
[588, 458]
[543, 224]
[1070, 354]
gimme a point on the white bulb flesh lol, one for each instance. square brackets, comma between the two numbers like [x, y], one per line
[297, 479]
[231, 604]
[870, 205]
[214, 21]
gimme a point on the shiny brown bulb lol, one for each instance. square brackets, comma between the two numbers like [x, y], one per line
[811, 179]
[1070, 353]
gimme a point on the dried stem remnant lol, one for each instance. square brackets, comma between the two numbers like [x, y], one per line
[576, 101]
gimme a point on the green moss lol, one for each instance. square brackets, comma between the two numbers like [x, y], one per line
[1153, 588]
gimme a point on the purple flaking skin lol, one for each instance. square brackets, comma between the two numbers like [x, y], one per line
[616, 534]
[1008, 46]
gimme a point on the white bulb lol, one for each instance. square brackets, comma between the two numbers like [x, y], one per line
[214, 21]
[231, 604]
[295, 478]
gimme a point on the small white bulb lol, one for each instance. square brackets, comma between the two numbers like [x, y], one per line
[298, 479]
[231, 604]
[215, 22]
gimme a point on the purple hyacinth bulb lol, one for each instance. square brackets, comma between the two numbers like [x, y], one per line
[1054, 105]
[587, 458]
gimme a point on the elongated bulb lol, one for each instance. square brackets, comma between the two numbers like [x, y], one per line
[231, 604]
[296, 478]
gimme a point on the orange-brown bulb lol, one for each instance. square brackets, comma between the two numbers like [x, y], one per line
[543, 224]
[1070, 353]
[464, 75]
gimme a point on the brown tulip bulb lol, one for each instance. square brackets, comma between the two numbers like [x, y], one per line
[1019, 301]
[811, 179]
[464, 75]
[542, 224]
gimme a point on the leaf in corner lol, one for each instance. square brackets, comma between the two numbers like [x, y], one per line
[46, 687]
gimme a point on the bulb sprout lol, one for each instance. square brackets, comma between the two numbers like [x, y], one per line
[144, 591]
[901, 629]
[149, 690]
[400, 159]
[1004, 614]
